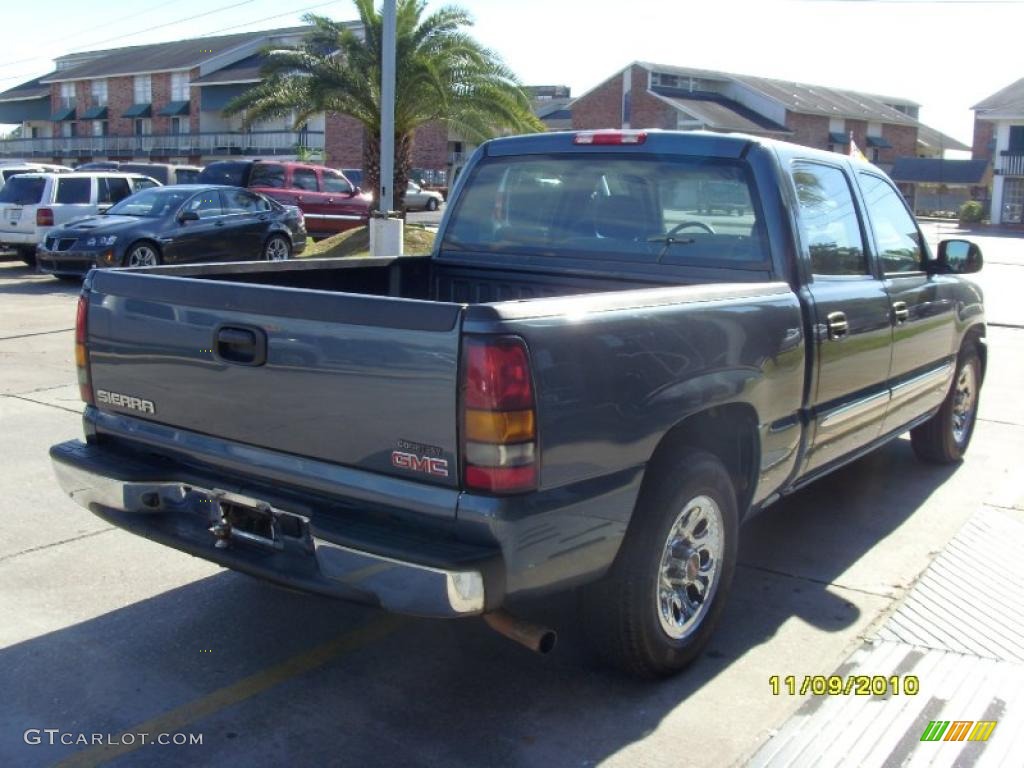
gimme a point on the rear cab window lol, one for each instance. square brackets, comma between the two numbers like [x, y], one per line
[682, 210]
[231, 173]
[77, 191]
[23, 190]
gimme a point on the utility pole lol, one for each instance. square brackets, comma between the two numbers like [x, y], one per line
[386, 233]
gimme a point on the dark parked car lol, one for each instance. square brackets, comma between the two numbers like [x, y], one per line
[185, 223]
[330, 202]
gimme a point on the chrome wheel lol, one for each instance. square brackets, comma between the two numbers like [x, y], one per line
[690, 567]
[143, 256]
[276, 250]
[964, 399]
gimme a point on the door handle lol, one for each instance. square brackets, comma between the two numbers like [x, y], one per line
[301, 199]
[218, 224]
[837, 325]
[245, 346]
[330, 199]
[900, 311]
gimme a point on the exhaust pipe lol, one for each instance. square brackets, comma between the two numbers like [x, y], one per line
[536, 638]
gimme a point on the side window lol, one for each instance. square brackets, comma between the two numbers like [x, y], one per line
[73, 191]
[240, 201]
[112, 190]
[304, 178]
[896, 233]
[143, 184]
[828, 220]
[269, 175]
[335, 182]
[206, 204]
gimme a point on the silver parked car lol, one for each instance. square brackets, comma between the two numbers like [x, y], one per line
[422, 199]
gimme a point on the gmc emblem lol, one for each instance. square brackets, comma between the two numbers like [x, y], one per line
[430, 466]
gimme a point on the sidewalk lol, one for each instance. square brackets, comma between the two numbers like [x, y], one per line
[960, 631]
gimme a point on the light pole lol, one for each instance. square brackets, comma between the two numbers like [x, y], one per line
[386, 233]
[387, 109]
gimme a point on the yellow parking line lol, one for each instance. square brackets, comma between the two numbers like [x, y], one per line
[177, 719]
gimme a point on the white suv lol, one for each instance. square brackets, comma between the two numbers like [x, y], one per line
[33, 203]
[13, 169]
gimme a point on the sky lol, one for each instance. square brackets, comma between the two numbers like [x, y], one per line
[945, 54]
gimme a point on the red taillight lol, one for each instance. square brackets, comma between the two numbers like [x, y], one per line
[44, 217]
[499, 432]
[498, 375]
[82, 351]
[600, 138]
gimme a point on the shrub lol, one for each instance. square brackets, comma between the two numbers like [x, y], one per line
[971, 211]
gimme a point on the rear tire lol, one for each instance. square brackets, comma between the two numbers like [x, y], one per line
[431, 204]
[277, 248]
[944, 438]
[656, 609]
[28, 255]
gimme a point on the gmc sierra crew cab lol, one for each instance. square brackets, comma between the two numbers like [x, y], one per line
[598, 374]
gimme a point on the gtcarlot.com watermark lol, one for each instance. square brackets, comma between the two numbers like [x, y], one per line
[54, 736]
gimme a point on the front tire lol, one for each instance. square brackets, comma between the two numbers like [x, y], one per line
[431, 204]
[277, 248]
[944, 438]
[656, 609]
[142, 255]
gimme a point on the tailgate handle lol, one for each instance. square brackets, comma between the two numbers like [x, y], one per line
[245, 346]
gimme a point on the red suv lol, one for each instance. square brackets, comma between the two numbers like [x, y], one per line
[329, 201]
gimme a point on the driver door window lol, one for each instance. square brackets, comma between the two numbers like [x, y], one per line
[896, 235]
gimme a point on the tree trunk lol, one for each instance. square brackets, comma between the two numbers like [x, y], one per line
[403, 164]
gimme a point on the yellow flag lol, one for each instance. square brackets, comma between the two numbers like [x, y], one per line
[855, 150]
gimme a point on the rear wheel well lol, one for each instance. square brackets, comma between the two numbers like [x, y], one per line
[729, 432]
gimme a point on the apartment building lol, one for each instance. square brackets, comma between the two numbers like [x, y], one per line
[649, 95]
[999, 140]
[165, 103]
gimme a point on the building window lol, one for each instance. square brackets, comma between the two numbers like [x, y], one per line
[179, 86]
[99, 127]
[1013, 201]
[666, 81]
[143, 89]
[67, 129]
[179, 125]
[1016, 145]
[627, 99]
[142, 127]
[99, 93]
[67, 95]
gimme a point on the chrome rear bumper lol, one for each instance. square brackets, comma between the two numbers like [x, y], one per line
[284, 547]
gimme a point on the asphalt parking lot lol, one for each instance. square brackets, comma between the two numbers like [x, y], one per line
[105, 633]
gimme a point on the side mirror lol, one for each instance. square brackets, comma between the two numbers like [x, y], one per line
[188, 216]
[959, 257]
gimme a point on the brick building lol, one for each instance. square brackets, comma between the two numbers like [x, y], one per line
[165, 102]
[648, 95]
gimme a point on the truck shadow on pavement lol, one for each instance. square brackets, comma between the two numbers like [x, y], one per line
[429, 692]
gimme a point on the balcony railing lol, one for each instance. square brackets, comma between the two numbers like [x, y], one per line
[162, 145]
[1011, 164]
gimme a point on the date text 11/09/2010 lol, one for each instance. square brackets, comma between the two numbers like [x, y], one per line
[834, 685]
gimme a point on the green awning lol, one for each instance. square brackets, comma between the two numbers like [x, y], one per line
[174, 109]
[878, 141]
[95, 113]
[65, 113]
[138, 110]
[838, 137]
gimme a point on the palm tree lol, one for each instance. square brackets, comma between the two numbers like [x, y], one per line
[441, 74]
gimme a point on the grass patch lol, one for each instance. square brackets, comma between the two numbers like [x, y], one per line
[356, 242]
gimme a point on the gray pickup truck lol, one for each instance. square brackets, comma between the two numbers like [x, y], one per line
[591, 383]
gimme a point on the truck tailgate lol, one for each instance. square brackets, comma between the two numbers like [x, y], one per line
[345, 378]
